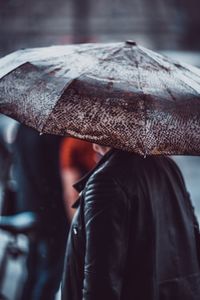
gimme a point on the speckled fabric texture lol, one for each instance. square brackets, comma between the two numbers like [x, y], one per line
[119, 94]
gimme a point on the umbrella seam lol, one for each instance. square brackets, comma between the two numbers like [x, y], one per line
[61, 93]
[144, 109]
[164, 68]
[188, 85]
[167, 69]
[168, 91]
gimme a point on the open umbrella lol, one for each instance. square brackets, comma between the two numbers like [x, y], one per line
[119, 94]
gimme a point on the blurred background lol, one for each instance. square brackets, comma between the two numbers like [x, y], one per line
[159, 24]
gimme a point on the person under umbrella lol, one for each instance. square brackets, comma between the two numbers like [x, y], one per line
[134, 235]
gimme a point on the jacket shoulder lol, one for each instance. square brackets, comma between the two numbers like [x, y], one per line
[116, 170]
[132, 171]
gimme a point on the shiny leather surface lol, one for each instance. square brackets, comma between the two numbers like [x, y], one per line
[134, 235]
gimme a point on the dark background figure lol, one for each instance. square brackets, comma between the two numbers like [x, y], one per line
[5, 162]
[7, 193]
[39, 189]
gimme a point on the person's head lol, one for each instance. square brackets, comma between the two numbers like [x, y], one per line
[101, 149]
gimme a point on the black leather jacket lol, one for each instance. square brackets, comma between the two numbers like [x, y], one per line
[134, 234]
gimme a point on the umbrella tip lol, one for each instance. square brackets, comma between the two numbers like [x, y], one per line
[130, 43]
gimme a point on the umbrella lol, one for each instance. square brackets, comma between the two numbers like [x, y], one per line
[117, 94]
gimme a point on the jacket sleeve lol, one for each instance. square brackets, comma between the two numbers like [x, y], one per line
[195, 226]
[106, 225]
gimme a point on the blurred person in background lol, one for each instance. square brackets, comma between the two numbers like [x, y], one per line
[39, 189]
[77, 158]
[5, 165]
[7, 190]
[134, 235]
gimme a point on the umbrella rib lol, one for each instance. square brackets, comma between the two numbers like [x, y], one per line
[189, 68]
[154, 59]
[191, 78]
[61, 93]
[144, 107]
[146, 52]
[111, 54]
[187, 84]
[168, 90]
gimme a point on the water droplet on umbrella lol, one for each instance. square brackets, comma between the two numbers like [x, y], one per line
[145, 154]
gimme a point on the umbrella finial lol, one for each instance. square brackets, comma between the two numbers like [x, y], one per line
[131, 43]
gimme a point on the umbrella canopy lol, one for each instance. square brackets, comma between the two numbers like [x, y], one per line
[119, 94]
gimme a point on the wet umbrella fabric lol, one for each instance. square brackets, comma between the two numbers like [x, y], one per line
[119, 94]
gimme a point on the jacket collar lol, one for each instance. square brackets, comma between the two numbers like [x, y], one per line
[79, 185]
